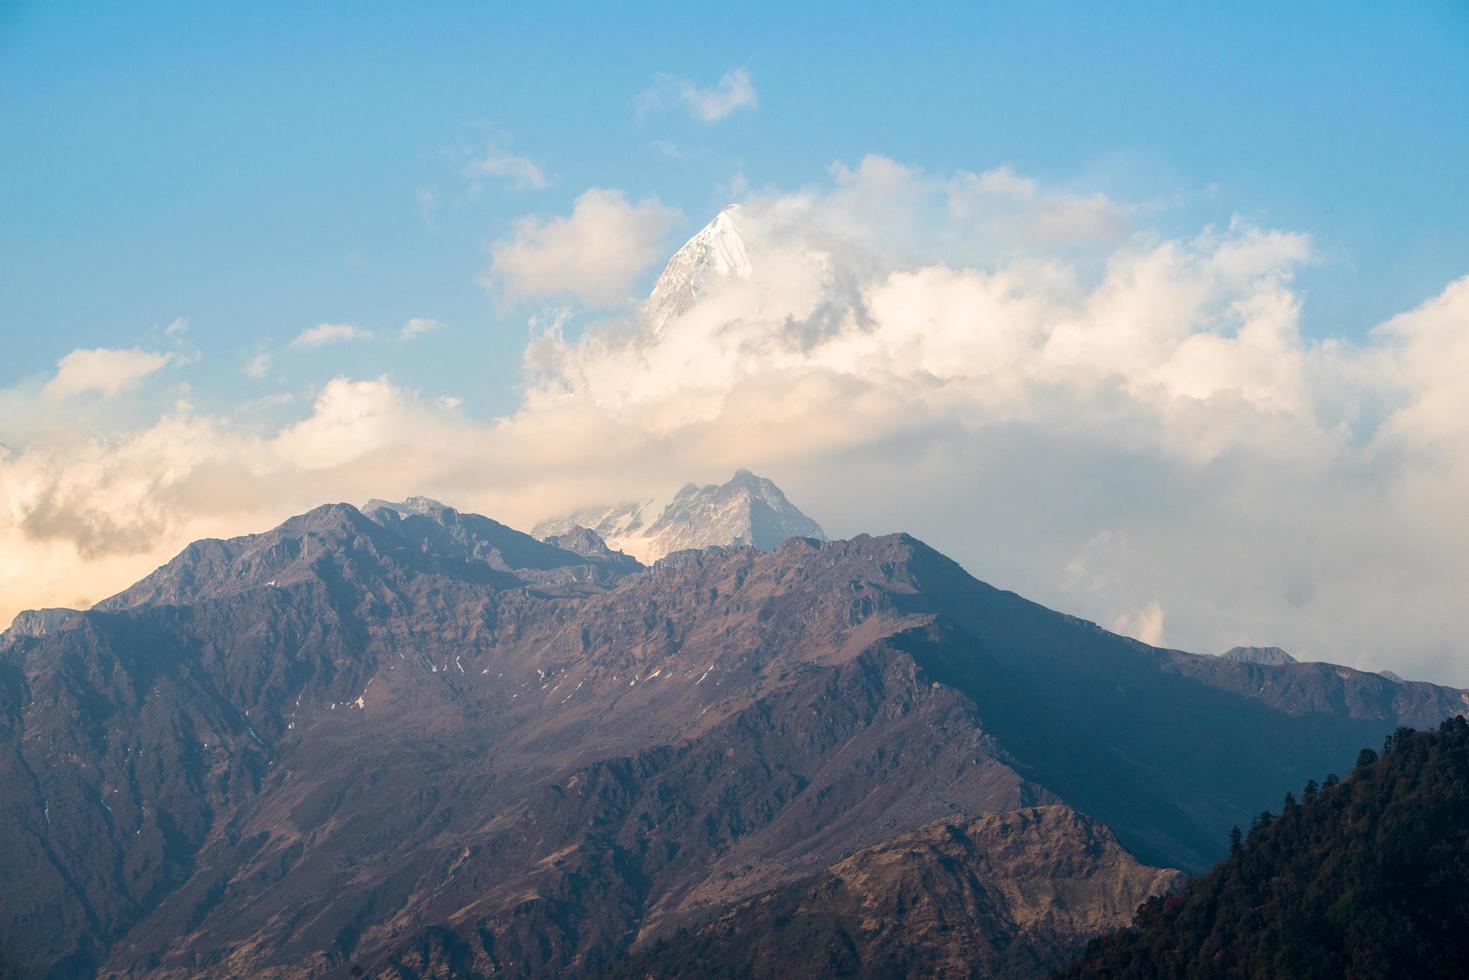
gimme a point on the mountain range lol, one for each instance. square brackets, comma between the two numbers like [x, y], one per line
[416, 742]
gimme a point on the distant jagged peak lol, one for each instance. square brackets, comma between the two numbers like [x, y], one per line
[589, 544]
[716, 253]
[746, 510]
[427, 506]
[1269, 656]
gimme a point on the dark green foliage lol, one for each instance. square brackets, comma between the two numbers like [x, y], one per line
[1366, 878]
[1236, 840]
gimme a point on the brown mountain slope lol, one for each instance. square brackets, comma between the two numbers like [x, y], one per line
[1003, 895]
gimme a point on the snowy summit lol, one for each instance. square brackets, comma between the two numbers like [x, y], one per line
[748, 510]
[715, 254]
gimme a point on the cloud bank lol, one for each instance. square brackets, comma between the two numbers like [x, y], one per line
[1119, 423]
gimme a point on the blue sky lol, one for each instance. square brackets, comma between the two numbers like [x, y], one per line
[254, 167]
[1087, 295]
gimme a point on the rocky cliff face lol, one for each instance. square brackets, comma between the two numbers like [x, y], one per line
[419, 741]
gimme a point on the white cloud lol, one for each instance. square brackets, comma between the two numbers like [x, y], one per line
[1110, 420]
[519, 171]
[178, 327]
[329, 333]
[594, 254]
[734, 91]
[103, 370]
[418, 326]
[1428, 359]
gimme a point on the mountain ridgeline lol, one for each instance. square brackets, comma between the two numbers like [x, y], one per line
[416, 742]
[1368, 877]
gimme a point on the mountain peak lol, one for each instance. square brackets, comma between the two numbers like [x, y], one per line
[389, 540]
[42, 622]
[716, 253]
[1270, 656]
[427, 506]
[747, 510]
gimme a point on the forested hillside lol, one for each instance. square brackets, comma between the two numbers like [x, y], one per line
[1363, 877]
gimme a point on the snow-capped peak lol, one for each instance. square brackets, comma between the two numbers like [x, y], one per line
[748, 510]
[716, 253]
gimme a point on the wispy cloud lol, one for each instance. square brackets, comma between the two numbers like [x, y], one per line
[329, 333]
[735, 90]
[418, 326]
[428, 202]
[257, 367]
[519, 171]
[103, 370]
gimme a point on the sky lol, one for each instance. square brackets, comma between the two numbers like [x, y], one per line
[1153, 312]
